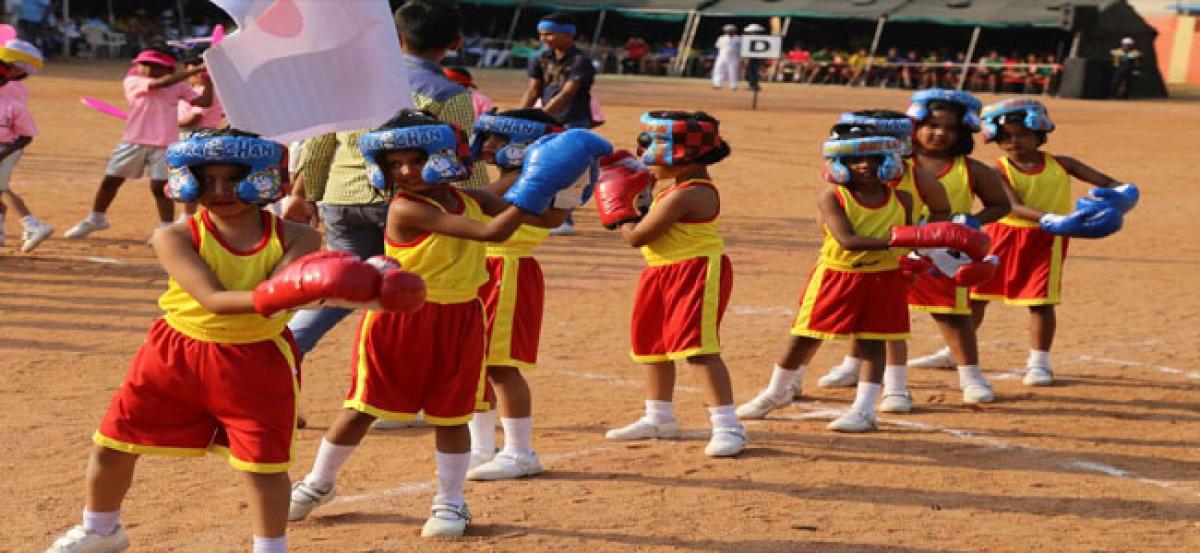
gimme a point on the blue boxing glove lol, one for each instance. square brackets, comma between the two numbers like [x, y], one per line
[1089, 223]
[1122, 197]
[559, 167]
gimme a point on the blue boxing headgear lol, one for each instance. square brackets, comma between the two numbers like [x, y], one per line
[918, 107]
[1029, 112]
[836, 150]
[896, 127]
[520, 133]
[262, 184]
[445, 146]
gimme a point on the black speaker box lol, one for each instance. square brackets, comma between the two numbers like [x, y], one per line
[1086, 78]
[1079, 18]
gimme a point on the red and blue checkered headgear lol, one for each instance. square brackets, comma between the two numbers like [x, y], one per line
[676, 137]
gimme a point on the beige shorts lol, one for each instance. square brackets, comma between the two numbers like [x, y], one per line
[131, 160]
[6, 169]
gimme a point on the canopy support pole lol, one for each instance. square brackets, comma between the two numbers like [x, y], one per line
[874, 49]
[962, 77]
[596, 34]
[783, 31]
[1075, 44]
[685, 43]
[512, 27]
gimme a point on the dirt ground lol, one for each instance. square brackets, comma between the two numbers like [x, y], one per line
[1106, 460]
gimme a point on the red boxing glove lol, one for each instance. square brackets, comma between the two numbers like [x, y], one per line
[912, 265]
[317, 276]
[977, 272]
[622, 178]
[972, 242]
[401, 291]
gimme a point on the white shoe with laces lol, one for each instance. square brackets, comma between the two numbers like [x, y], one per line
[306, 497]
[978, 392]
[643, 429]
[1038, 376]
[854, 421]
[726, 442]
[34, 235]
[764, 403]
[86, 227]
[82, 540]
[939, 359]
[896, 401]
[839, 377]
[446, 520]
[507, 465]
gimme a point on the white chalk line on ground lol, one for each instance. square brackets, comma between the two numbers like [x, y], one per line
[1193, 375]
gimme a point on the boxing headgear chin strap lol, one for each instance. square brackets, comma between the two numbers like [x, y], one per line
[836, 150]
[896, 127]
[1036, 116]
[445, 146]
[918, 107]
[262, 184]
[675, 138]
[519, 132]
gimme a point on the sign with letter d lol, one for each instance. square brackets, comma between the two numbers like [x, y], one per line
[761, 46]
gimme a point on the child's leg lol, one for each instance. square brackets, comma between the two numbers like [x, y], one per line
[844, 375]
[959, 333]
[106, 193]
[450, 514]
[109, 475]
[343, 436]
[978, 310]
[515, 404]
[17, 203]
[165, 205]
[1042, 324]
[728, 435]
[268, 510]
[659, 419]
[785, 381]
[714, 376]
[896, 397]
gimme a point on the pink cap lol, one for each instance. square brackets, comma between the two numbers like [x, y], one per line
[155, 57]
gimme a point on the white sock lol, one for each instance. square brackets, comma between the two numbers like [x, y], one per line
[165, 224]
[895, 378]
[781, 378]
[330, 458]
[851, 364]
[518, 434]
[483, 433]
[969, 374]
[29, 221]
[451, 473]
[723, 416]
[659, 412]
[1038, 358]
[864, 399]
[270, 545]
[97, 217]
[101, 523]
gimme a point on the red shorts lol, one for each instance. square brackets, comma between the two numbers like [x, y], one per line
[1031, 264]
[937, 294]
[840, 304]
[512, 303]
[184, 397]
[678, 308]
[431, 360]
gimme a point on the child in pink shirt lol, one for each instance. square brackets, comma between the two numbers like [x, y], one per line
[16, 132]
[193, 117]
[152, 91]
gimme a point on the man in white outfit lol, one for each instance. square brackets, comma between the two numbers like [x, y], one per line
[729, 60]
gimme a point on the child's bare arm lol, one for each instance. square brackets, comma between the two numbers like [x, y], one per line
[492, 204]
[173, 245]
[933, 194]
[1086, 173]
[839, 226]
[989, 188]
[692, 203]
[414, 216]
[300, 240]
[176, 77]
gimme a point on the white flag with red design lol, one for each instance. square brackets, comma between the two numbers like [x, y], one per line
[298, 68]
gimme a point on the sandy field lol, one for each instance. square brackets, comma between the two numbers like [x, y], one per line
[1106, 460]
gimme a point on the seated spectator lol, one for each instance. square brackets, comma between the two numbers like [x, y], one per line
[821, 62]
[796, 64]
[911, 70]
[636, 50]
[1014, 75]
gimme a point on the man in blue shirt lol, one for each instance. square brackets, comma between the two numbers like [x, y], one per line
[32, 20]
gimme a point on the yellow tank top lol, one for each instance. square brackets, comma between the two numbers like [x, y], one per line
[956, 179]
[235, 271]
[453, 268]
[1048, 189]
[685, 240]
[908, 183]
[521, 243]
[872, 221]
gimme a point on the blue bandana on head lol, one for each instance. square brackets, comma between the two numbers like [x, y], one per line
[547, 26]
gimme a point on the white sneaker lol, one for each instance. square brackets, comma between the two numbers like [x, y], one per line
[479, 458]
[84, 228]
[853, 421]
[447, 520]
[899, 401]
[939, 359]
[762, 404]
[839, 377]
[1038, 376]
[565, 229]
[978, 392]
[34, 235]
[643, 429]
[81, 540]
[507, 465]
[385, 424]
[305, 498]
[726, 442]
